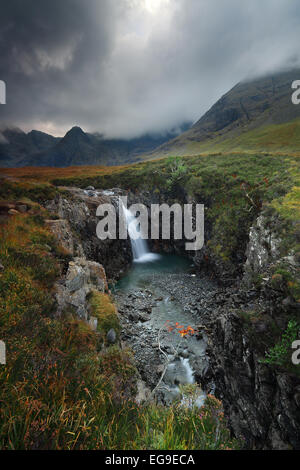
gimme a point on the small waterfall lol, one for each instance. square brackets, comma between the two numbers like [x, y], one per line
[178, 373]
[139, 246]
[188, 371]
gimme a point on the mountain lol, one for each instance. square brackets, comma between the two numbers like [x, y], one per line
[257, 115]
[15, 145]
[76, 148]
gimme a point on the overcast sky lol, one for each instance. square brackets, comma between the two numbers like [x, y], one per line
[125, 67]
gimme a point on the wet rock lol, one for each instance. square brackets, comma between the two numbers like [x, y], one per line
[79, 210]
[185, 353]
[143, 317]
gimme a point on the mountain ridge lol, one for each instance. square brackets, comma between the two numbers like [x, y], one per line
[249, 106]
[77, 147]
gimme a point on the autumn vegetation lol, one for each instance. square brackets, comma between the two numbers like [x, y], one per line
[63, 387]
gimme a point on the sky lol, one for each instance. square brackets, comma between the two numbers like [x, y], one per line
[128, 67]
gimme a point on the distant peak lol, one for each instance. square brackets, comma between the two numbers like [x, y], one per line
[75, 130]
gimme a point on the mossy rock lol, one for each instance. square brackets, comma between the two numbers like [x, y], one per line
[102, 308]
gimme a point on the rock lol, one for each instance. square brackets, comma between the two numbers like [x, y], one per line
[82, 277]
[13, 212]
[79, 211]
[90, 188]
[263, 248]
[133, 316]
[287, 302]
[22, 208]
[93, 322]
[143, 392]
[111, 336]
[76, 277]
[185, 353]
[143, 317]
[62, 231]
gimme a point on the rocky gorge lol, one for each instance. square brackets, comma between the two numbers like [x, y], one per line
[236, 306]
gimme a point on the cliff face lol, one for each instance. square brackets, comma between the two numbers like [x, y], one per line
[261, 401]
[77, 213]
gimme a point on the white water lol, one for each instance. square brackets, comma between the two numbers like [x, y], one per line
[189, 371]
[140, 250]
[181, 372]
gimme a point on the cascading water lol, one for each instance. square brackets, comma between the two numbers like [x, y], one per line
[179, 370]
[139, 246]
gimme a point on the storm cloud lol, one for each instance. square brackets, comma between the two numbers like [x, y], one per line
[126, 67]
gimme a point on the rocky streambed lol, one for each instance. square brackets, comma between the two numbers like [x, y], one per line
[156, 300]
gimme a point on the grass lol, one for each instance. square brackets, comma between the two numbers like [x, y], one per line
[62, 388]
[245, 182]
[280, 354]
[274, 138]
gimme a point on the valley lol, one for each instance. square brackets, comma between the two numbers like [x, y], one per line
[147, 342]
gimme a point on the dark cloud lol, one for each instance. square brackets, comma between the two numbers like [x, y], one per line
[124, 67]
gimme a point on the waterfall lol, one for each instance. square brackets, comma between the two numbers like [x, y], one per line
[140, 250]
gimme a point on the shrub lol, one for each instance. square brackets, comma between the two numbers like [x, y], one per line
[281, 353]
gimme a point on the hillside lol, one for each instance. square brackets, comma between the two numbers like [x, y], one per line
[252, 116]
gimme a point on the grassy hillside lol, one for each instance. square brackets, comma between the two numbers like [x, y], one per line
[275, 138]
[254, 116]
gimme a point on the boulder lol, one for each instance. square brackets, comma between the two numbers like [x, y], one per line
[111, 336]
[22, 208]
[13, 212]
[82, 277]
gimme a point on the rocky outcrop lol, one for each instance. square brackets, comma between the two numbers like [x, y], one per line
[262, 403]
[263, 247]
[62, 231]
[81, 278]
[77, 215]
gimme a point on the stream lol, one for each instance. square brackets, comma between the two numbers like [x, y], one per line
[158, 301]
[151, 301]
